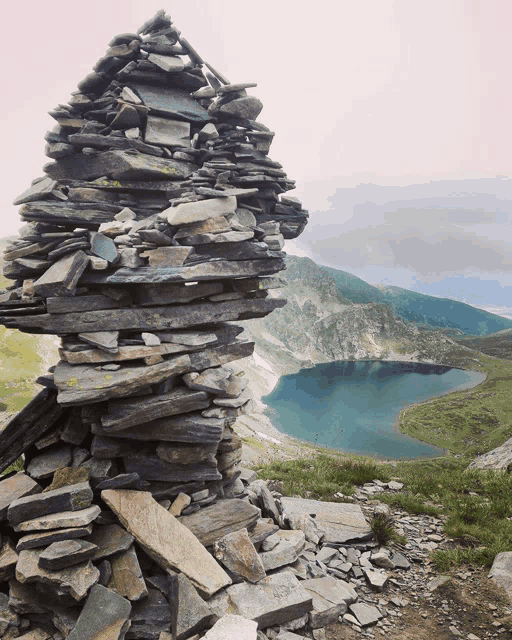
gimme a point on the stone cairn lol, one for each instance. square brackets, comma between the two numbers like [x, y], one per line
[159, 222]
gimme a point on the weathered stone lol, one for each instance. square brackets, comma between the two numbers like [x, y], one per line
[121, 481]
[75, 581]
[158, 294]
[62, 277]
[118, 165]
[150, 617]
[289, 545]
[8, 560]
[171, 102]
[72, 498]
[233, 626]
[339, 522]
[265, 500]
[247, 107]
[188, 212]
[218, 520]
[501, 572]
[133, 411]
[17, 486]
[66, 476]
[365, 614]
[220, 381]
[45, 464]
[194, 614]
[66, 553]
[274, 600]
[37, 191]
[167, 256]
[127, 579]
[376, 579]
[167, 133]
[109, 539]
[35, 540]
[330, 599]
[165, 539]
[105, 340]
[304, 522]
[238, 554]
[183, 454]
[105, 615]
[61, 520]
[181, 502]
[152, 468]
[103, 247]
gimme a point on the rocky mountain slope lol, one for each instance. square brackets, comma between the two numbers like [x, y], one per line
[334, 317]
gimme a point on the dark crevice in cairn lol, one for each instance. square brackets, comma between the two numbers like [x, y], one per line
[160, 220]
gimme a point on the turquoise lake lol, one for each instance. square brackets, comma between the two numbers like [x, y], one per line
[354, 406]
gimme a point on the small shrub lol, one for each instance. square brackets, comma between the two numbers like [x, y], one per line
[383, 529]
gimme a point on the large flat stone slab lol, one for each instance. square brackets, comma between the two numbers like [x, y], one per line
[167, 541]
[339, 522]
[105, 615]
[233, 626]
[330, 599]
[274, 600]
[61, 520]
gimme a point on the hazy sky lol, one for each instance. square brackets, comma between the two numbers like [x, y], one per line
[384, 91]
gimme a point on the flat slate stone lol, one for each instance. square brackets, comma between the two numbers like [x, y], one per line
[167, 541]
[36, 540]
[214, 522]
[105, 615]
[289, 545]
[110, 539]
[233, 626]
[62, 277]
[66, 553]
[133, 411]
[238, 554]
[194, 614]
[339, 522]
[75, 581]
[61, 520]
[118, 165]
[71, 498]
[127, 579]
[8, 560]
[274, 600]
[45, 464]
[17, 486]
[365, 613]
[170, 102]
[330, 599]
[153, 468]
[198, 211]
[167, 133]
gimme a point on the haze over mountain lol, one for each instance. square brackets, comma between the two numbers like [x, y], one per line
[448, 238]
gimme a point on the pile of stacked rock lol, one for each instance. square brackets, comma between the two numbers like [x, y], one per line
[160, 221]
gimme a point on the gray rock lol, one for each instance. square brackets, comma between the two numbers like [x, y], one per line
[330, 600]
[127, 579]
[150, 617]
[376, 579]
[167, 133]
[233, 626]
[365, 614]
[75, 581]
[247, 108]
[8, 560]
[339, 522]
[265, 500]
[238, 554]
[274, 600]
[110, 539]
[17, 486]
[194, 614]
[61, 520]
[105, 615]
[103, 247]
[62, 277]
[71, 498]
[171, 103]
[66, 553]
[45, 464]
[499, 459]
[105, 340]
[289, 545]
[36, 540]
[501, 572]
